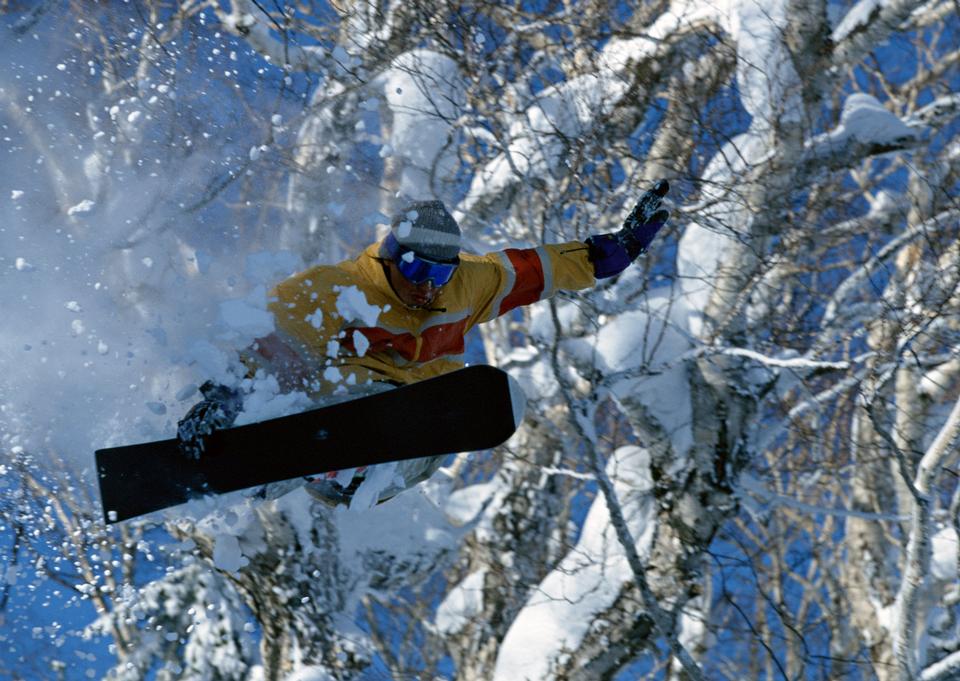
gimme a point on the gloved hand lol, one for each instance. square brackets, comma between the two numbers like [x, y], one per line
[218, 409]
[611, 254]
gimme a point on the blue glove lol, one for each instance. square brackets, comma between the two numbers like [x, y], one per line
[611, 254]
[218, 409]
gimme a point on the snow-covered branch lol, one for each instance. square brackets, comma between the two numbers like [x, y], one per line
[943, 670]
[866, 24]
[941, 453]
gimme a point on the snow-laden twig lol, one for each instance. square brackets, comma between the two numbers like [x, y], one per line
[550, 470]
[863, 273]
[943, 670]
[940, 453]
[780, 362]
[937, 111]
[773, 500]
[793, 363]
[825, 396]
[867, 24]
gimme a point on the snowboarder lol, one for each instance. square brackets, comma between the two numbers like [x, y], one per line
[425, 296]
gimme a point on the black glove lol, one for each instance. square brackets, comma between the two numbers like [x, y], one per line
[611, 254]
[218, 409]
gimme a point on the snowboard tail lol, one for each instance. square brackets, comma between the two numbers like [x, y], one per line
[467, 410]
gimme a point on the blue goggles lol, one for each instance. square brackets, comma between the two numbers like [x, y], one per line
[415, 268]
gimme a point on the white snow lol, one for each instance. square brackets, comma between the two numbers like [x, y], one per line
[465, 504]
[424, 92]
[403, 229]
[943, 562]
[461, 604]
[864, 119]
[654, 337]
[352, 306]
[587, 581]
[310, 673]
[226, 553]
[378, 479]
[332, 375]
[856, 17]
[84, 206]
[360, 343]
[249, 316]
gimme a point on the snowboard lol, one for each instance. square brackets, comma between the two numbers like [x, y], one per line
[467, 410]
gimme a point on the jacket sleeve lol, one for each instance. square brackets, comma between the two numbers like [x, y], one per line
[303, 309]
[527, 275]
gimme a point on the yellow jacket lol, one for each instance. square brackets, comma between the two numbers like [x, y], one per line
[320, 323]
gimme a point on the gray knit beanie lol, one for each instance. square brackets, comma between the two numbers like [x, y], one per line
[427, 229]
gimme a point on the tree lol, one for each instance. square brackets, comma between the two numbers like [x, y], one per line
[761, 481]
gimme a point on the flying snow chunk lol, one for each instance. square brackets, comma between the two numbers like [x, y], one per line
[73, 306]
[360, 343]
[226, 553]
[84, 206]
[22, 265]
[315, 318]
[352, 305]
[158, 408]
[134, 116]
[186, 392]
[403, 229]
[16, 194]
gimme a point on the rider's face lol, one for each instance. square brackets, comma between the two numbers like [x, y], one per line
[410, 294]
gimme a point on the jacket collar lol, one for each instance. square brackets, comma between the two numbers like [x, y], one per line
[371, 268]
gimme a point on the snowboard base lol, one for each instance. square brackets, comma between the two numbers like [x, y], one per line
[471, 409]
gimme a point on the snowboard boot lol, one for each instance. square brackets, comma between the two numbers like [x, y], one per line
[331, 492]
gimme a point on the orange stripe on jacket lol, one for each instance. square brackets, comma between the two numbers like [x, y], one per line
[528, 285]
[443, 339]
[381, 340]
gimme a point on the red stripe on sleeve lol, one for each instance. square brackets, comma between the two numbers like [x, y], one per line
[528, 285]
[442, 340]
